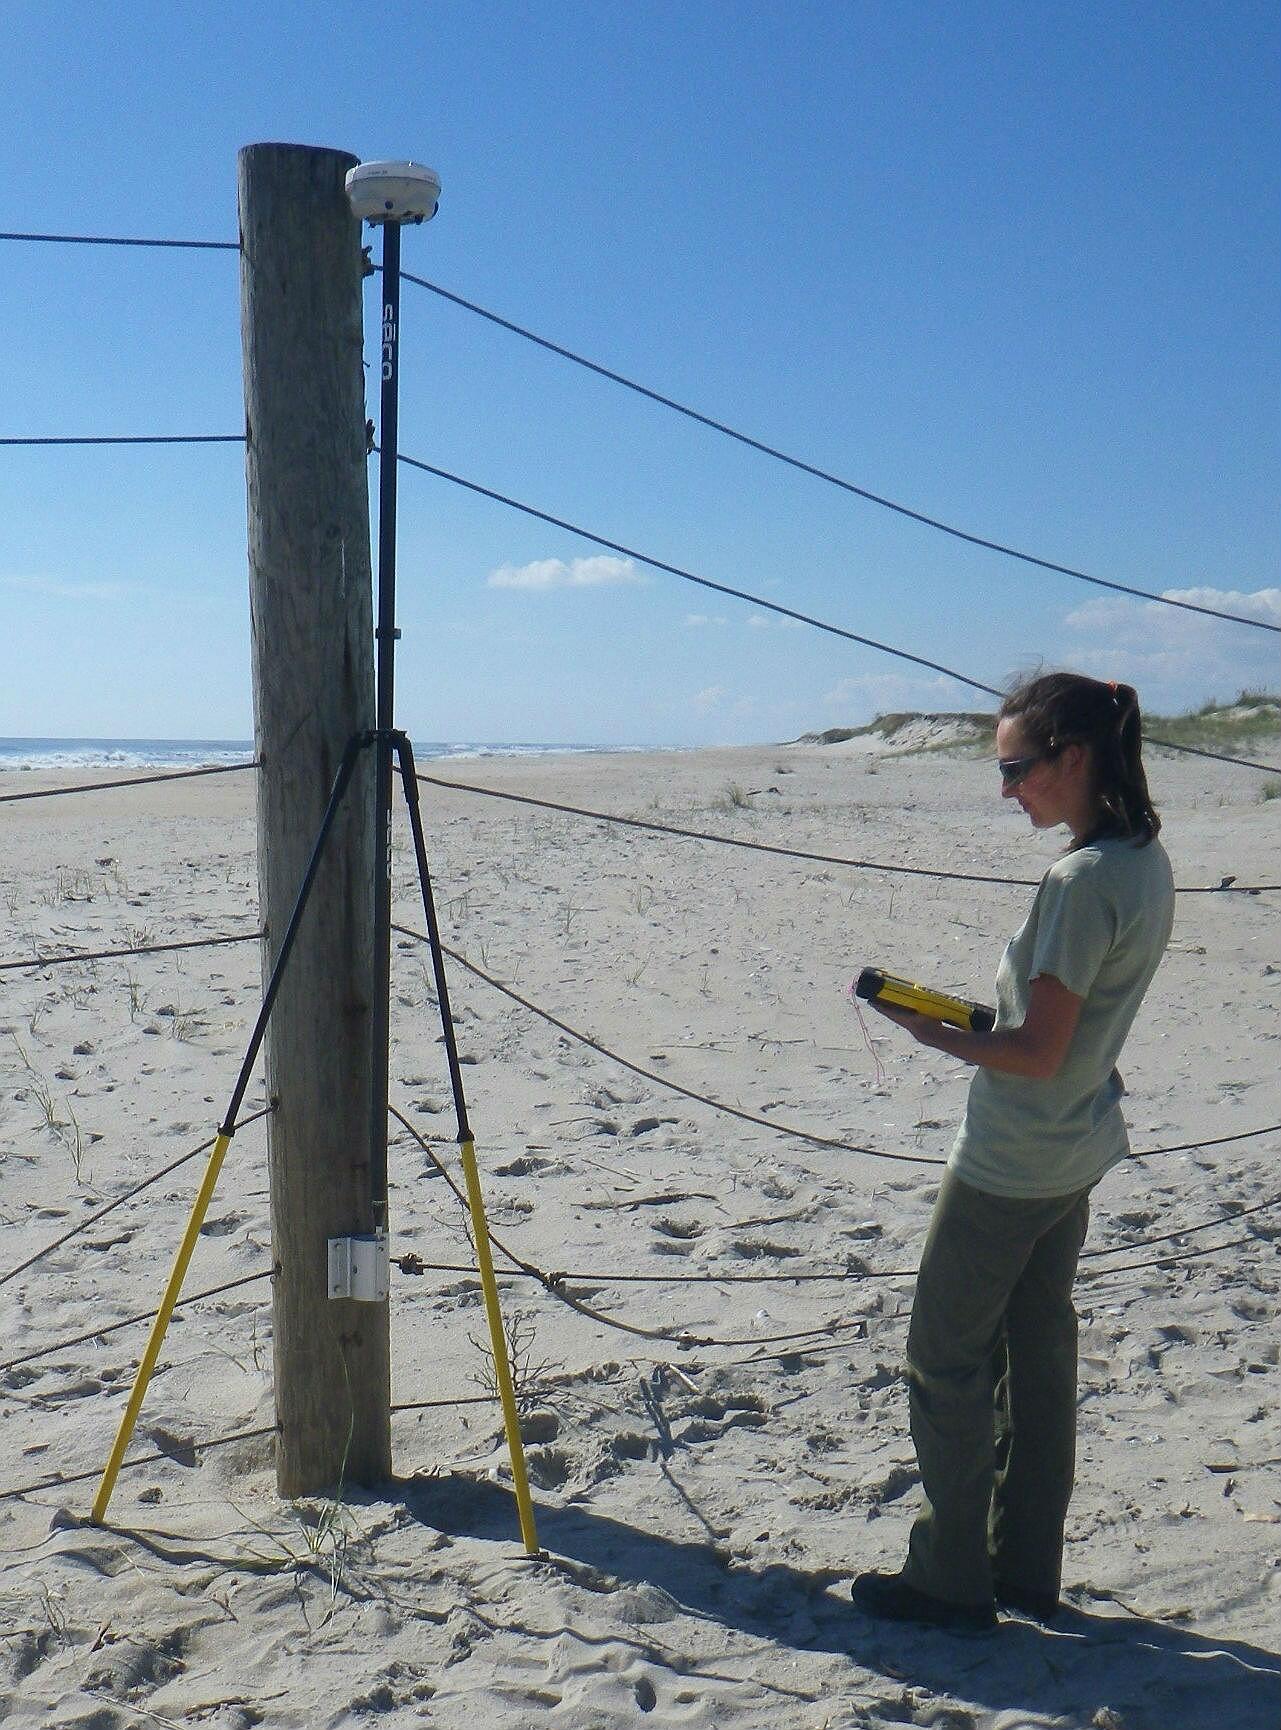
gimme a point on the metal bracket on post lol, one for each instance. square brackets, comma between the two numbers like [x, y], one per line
[360, 1267]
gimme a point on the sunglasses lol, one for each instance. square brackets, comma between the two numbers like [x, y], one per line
[1015, 769]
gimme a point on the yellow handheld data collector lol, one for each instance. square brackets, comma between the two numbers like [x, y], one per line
[955, 1011]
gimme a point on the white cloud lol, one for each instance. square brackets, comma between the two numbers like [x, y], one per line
[1262, 604]
[1173, 657]
[1105, 612]
[880, 692]
[54, 588]
[592, 573]
[771, 622]
[697, 620]
[709, 698]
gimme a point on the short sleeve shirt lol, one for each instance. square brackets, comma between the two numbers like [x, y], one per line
[1099, 925]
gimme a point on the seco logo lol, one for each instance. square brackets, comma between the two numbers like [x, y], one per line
[389, 340]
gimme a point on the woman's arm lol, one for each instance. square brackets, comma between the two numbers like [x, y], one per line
[1035, 1050]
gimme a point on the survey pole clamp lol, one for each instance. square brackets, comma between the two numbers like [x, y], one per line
[360, 1267]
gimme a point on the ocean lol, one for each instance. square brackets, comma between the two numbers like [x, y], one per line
[124, 754]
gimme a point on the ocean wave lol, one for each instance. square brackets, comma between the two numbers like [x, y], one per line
[142, 754]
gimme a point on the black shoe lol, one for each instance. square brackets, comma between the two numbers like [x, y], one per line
[890, 1596]
[1041, 1606]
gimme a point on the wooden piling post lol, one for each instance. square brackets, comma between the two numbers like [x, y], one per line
[311, 607]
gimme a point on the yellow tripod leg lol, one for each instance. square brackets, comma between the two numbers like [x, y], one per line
[158, 1327]
[498, 1345]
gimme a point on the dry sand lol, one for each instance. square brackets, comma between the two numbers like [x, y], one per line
[702, 1506]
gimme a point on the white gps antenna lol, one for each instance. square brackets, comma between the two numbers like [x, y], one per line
[393, 192]
[387, 195]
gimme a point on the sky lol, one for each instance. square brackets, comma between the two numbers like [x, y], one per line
[1012, 264]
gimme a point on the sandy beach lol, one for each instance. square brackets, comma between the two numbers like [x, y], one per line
[702, 1506]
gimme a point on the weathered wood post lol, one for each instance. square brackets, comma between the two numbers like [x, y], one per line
[311, 607]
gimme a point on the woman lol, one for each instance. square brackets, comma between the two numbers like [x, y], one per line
[991, 1353]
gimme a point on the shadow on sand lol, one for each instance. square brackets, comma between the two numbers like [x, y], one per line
[1146, 1669]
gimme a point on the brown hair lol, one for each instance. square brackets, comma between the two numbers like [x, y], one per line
[1058, 709]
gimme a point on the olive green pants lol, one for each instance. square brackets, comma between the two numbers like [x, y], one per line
[991, 1364]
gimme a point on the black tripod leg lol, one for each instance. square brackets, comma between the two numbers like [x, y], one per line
[405, 755]
[342, 780]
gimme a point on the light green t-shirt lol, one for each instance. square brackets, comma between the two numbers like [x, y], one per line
[1099, 925]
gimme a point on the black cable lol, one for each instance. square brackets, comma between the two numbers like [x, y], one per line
[680, 408]
[64, 1478]
[131, 781]
[1228, 886]
[775, 607]
[554, 1283]
[1167, 1260]
[115, 954]
[1212, 1141]
[838, 1276]
[689, 576]
[1214, 756]
[725, 840]
[826, 1141]
[149, 439]
[750, 1117]
[1184, 1231]
[133, 1321]
[437, 1405]
[127, 240]
[111, 1206]
[823, 474]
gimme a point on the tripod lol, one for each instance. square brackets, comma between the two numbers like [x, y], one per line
[397, 745]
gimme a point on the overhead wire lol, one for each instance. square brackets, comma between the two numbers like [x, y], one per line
[138, 439]
[120, 1200]
[775, 606]
[555, 1283]
[832, 1143]
[690, 577]
[822, 474]
[129, 781]
[126, 240]
[984, 542]
[42, 962]
[107, 1328]
[1228, 886]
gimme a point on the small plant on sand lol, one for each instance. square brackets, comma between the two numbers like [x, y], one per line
[641, 897]
[531, 1376]
[185, 1024]
[67, 1132]
[137, 997]
[633, 971]
[325, 1526]
[1271, 790]
[734, 798]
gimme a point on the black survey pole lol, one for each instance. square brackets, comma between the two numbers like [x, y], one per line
[386, 635]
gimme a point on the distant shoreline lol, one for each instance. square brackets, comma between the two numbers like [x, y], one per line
[26, 755]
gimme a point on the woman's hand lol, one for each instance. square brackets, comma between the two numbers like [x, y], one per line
[1035, 1050]
[923, 1028]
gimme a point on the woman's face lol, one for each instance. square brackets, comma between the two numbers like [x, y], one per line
[1049, 788]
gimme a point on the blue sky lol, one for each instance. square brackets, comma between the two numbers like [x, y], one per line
[1013, 264]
